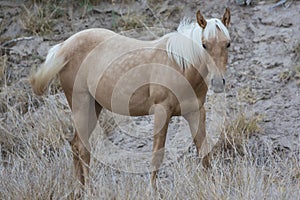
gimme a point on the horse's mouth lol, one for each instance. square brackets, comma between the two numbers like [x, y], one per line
[218, 89]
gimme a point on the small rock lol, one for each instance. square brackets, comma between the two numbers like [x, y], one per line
[256, 39]
[236, 48]
[266, 119]
[139, 146]
[272, 65]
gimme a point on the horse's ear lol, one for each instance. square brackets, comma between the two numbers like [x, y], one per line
[226, 17]
[201, 20]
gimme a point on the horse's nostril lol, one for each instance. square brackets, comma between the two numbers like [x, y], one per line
[224, 81]
[212, 81]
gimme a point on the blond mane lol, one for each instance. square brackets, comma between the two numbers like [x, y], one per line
[185, 45]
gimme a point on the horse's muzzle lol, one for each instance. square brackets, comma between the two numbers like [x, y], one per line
[218, 85]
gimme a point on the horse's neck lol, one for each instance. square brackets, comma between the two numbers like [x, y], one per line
[196, 75]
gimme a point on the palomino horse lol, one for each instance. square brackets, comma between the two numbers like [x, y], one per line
[165, 77]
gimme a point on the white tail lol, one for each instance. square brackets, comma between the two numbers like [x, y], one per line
[54, 63]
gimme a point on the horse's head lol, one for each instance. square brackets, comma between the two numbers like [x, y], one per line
[216, 41]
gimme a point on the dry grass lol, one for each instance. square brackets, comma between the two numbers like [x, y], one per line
[39, 18]
[36, 162]
[235, 137]
[247, 95]
[131, 21]
[33, 145]
[3, 60]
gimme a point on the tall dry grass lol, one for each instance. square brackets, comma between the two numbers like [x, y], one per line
[36, 160]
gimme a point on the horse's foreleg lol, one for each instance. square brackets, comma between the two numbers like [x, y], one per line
[85, 119]
[196, 121]
[161, 121]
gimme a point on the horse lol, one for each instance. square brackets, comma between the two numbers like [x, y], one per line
[165, 77]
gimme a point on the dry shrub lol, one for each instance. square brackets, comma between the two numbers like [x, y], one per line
[235, 136]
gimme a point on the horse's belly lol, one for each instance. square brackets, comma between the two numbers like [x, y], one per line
[124, 100]
[140, 102]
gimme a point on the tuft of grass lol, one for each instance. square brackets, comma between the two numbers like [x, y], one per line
[297, 74]
[236, 134]
[284, 75]
[247, 95]
[296, 50]
[39, 19]
[131, 21]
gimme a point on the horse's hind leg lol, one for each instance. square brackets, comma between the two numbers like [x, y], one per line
[81, 157]
[85, 119]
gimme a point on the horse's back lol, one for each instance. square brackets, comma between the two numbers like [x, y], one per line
[119, 68]
[114, 69]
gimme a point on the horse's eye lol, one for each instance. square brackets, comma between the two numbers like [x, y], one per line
[228, 45]
[204, 46]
